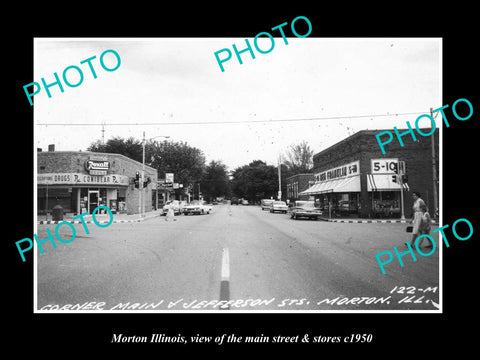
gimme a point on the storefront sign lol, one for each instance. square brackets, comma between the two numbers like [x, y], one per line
[81, 179]
[95, 167]
[162, 185]
[384, 166]
[169, 177]
[350, 169]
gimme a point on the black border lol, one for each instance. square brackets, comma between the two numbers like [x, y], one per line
[407, 333]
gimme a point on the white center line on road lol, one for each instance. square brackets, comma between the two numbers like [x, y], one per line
[225, 277]
[225, 265]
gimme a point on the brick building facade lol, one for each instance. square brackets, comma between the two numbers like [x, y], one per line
[298, 183]
[353, 177]
[80, 181]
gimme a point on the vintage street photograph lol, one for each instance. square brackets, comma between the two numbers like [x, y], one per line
[211, 175]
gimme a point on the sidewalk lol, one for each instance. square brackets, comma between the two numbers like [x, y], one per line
[101, 218]
[370, 221]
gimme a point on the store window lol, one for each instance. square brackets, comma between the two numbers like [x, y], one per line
[341, 204]
[386, 203]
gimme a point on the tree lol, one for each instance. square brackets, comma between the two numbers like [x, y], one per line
[130, 147]
[215, 182]
[184, 161]
[187, 163]
[299, 158]
[255, 181]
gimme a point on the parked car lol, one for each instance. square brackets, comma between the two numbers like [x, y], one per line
[196, 207]
[278, 206]
[208, 206]
[177, 207]
[265, 203]
[234, 201]
[244, 202]
[305, 209]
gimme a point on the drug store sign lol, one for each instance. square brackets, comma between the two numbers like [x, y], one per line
[80, 179]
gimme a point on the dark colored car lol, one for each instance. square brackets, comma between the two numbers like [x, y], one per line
[305, 209]
[234, 201]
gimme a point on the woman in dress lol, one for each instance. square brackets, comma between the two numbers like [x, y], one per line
[418, 205]
[170, 213]
[425, 227]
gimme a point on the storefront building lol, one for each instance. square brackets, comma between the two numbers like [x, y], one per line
[80, 181]
[353, 177]
[298, 183]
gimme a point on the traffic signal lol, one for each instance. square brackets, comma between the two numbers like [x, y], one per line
[146, 182]
[137, 179]
[394, 178]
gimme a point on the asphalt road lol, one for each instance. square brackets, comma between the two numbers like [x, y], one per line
[238, 258]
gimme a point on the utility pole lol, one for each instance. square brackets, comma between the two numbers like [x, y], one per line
[103, 133]
[140, 186]
[279, 180]
[141, 197]
[434, 170]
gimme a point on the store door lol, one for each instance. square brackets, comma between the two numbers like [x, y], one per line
[93, 196]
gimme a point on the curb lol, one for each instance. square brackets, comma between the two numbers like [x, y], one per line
[368, 221]
[371, 221]
[48, 222]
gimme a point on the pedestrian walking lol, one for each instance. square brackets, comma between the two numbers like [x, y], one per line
[418, 205]
[424, 227]
[170, 213]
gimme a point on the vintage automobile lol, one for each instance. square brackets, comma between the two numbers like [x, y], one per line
[177, 207]
[278, 206]
[197, 207]
[305, 209]
[265, 203]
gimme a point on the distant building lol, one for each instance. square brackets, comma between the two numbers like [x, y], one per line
[298, 183]
[354, 178]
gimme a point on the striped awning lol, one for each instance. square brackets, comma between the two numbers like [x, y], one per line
[383, 182]
[344, 185]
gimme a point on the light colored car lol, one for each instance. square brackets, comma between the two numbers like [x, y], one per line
[208, 206]
[305, 209]
[266, 203]
[244, 202]
[197, 207]
[177, 207]
[278, 206]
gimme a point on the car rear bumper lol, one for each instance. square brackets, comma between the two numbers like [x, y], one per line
[306, 214]
[192, 211]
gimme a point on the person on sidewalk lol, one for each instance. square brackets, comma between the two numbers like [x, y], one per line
[424, 227]
[418, 205]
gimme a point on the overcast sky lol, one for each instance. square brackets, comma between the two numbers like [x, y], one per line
[177, 84]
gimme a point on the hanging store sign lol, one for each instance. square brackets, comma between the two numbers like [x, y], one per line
[169, 177]
[350, 169]
[384, 166]
[80, 179]
[95, 167]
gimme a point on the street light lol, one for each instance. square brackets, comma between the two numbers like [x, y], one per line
[141, 200]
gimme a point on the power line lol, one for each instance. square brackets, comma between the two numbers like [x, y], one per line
[230, 122]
